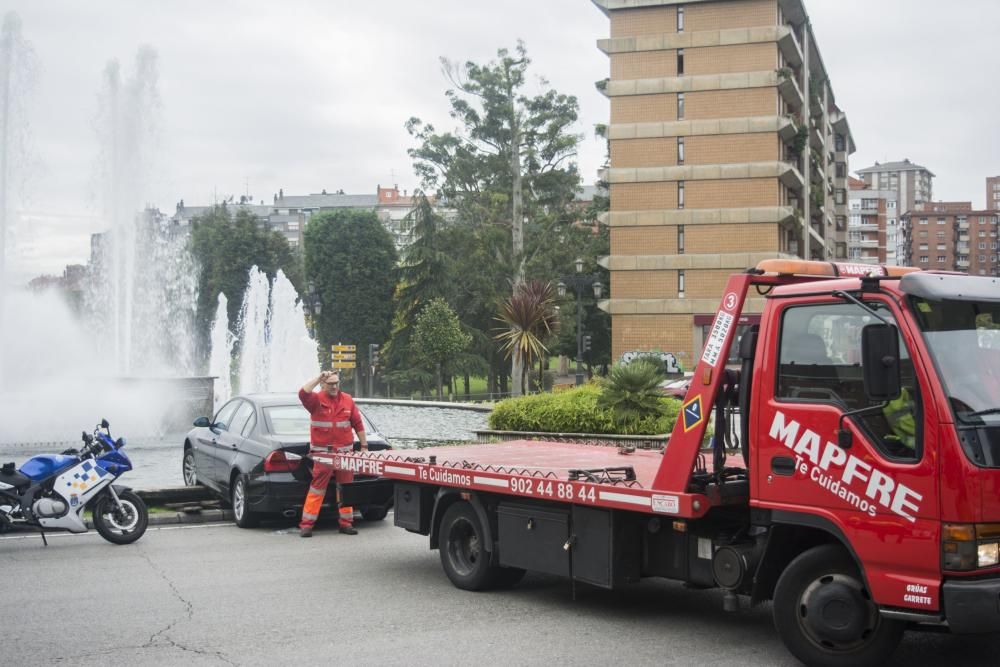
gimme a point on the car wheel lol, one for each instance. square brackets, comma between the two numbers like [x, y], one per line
[189, 472]
[242, 514]
[825, 615]
[463, 553]
[374, 513]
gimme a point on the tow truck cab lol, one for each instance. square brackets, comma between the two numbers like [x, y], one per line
[892, 446]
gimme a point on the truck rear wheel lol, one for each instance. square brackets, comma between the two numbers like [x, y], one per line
[463, 552]
[825, 615]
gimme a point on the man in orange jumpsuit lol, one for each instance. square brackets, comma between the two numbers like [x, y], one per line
[333, 417]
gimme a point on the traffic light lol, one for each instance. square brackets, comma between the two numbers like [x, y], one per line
[586, 343]
[373, 354]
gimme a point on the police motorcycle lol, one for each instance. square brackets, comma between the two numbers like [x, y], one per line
[50, 491]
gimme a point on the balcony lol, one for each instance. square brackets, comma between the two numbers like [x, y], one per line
[962, 247]
[864, 227]
[867, 243]
[963, 225]
[789, 90]
[789, 45]
[962, 263]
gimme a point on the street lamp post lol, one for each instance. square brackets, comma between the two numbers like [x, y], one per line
[579, 282]
[312, 306]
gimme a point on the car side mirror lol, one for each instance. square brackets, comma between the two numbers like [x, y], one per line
[202, 422]
[880, 360]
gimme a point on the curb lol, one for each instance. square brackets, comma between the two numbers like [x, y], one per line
[178, 518]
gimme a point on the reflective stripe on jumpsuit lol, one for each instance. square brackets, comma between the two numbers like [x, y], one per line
[322, 472]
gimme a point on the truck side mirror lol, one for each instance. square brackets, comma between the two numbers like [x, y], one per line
[880, 359]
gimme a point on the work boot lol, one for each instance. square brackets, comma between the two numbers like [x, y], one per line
[305, 532]
[348, 530]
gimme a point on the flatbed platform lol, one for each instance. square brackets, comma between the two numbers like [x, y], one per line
[569, 472]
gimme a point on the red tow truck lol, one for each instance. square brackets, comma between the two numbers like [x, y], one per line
[865, 498]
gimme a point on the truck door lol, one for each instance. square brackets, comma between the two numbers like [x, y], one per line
[881, 491]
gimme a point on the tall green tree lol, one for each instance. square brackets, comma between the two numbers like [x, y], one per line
[438, 337]
[226, 246]
[423, 274]
[512, 159]
[351, 260]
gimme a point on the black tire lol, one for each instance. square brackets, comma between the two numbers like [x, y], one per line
[463, 556]
[120, 525]
[374, 513]
[242, 514]
[188, 471]
[825, 615]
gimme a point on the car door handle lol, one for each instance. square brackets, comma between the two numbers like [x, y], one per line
[783, 465]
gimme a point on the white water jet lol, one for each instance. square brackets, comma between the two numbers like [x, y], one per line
[252, 332]
[221, 362]
[276, 352]
[292, 353]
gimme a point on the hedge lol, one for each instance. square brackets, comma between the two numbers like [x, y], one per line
[575, 411]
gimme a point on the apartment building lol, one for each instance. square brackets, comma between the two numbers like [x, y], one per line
[993, 192]
[951, 236]
[727, 147]
[912, 183]
[872, 225]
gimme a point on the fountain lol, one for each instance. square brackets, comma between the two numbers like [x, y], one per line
[276, 352]
[130, 357]
[220, 364]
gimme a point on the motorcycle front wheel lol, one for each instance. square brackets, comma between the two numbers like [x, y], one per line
[121, 524]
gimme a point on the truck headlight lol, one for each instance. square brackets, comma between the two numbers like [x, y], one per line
[989, 554]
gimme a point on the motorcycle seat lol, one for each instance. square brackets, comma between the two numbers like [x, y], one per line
[10, 475]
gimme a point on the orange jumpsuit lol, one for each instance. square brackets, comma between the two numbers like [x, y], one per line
[332, 420]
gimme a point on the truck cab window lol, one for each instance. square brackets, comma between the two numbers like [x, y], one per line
[820, 361]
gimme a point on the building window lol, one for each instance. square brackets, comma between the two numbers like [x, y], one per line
[680, 239]
[924, 259]
[941, 258]
[680, 62]
[890, 205]
[680, 106]
[940, 235]
[982, 233]
[680, 18]
[923, 233]
[942, 246]
[941, 221]
[923, 221]
[840, 143]
[841, 196]
[680, 150]
[680, 194]
[293, 226]
[982, 245]
[680, 283]
[923, 246]
[982, 259]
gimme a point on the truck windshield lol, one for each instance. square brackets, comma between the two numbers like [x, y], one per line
[964, 339]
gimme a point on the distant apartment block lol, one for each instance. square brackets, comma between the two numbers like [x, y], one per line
[727, 147]
[912, 183]
[288, 214]
[951, 236]
[993, 192]
[872, 225]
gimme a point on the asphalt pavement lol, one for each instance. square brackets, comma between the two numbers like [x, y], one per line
[214, 594]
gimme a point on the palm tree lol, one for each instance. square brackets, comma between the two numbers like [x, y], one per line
[631, 391]
[530, 317]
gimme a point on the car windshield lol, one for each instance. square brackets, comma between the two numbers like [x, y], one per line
[964, 339]
[293, 421]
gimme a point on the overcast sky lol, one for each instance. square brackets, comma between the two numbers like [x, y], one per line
[261, 95]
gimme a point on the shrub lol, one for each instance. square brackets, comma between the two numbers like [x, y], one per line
[576, 411]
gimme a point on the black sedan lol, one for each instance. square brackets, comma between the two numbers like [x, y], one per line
[253, 455]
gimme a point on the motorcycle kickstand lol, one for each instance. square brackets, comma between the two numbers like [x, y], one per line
[44, 541]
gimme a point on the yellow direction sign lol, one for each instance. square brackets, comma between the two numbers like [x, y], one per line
[344, 364]
[343, 348]
[344, 356]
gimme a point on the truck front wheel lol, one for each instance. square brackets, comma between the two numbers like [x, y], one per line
[463, 552]
[825, 615]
